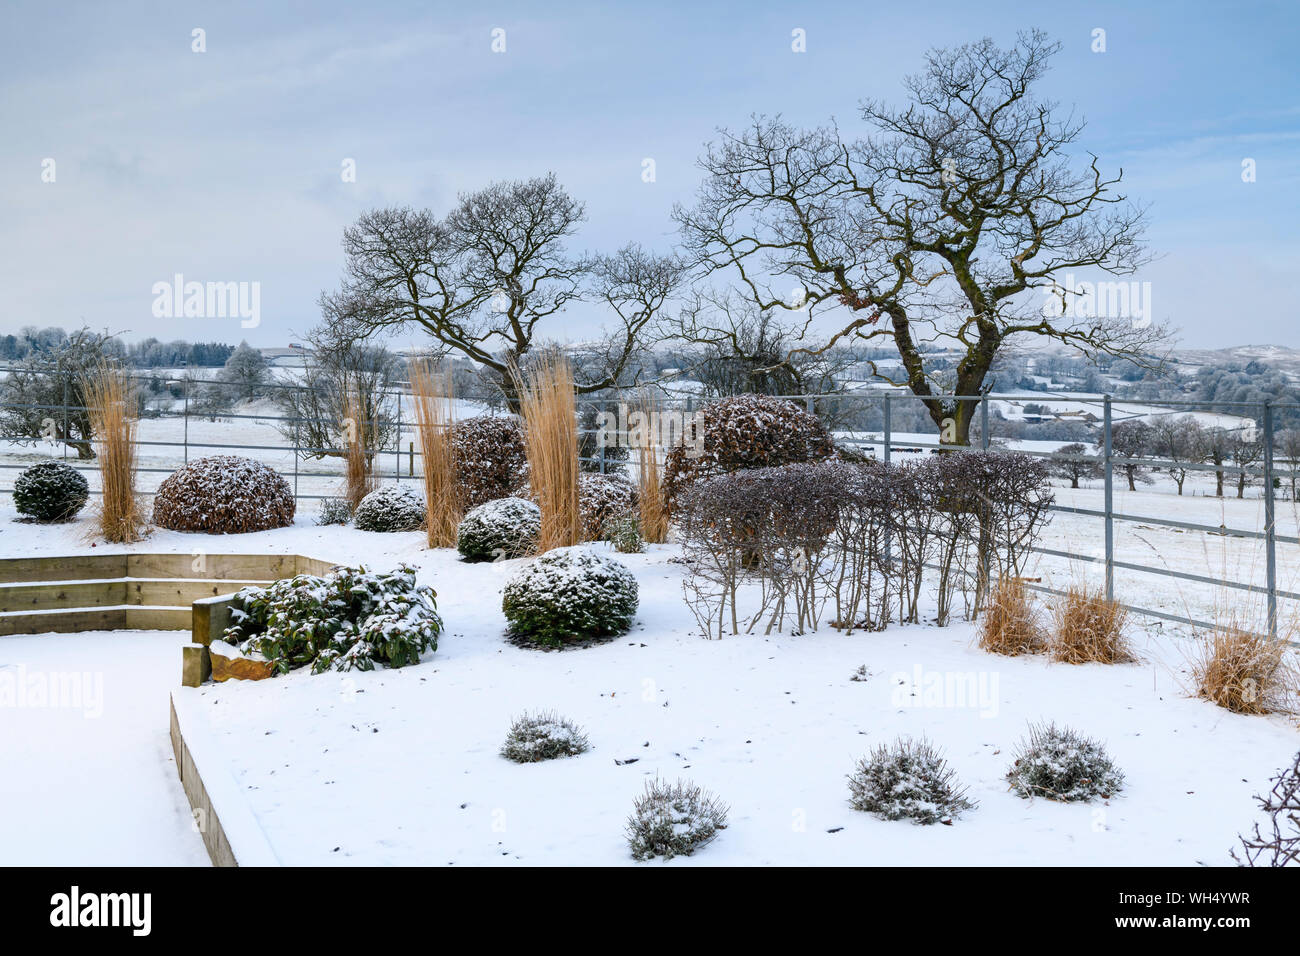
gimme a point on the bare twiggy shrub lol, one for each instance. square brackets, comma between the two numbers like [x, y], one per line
[546, 400]
[1280, 846]
[1246, 673]
[653, 505]
[758, 544]
[358, 428]
[433, 397]
[1010, 624]
[110, 401]
[1088, 628]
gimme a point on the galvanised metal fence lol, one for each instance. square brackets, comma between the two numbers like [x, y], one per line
[404, 453]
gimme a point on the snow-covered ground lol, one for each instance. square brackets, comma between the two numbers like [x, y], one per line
[86, 771]
[402, 766]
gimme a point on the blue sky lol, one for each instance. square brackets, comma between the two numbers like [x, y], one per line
[225, 165]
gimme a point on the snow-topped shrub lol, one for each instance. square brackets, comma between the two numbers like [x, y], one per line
[624, 533]
[909, 780]
[390, 508]
[491, 460]
[1057, 763]
[333, 511]
[671, 820]
[569, 595]
[543, 736]
[349, 619]
[50, 491]
[602, 498]
[747, 431]
[501, 529]
[223, 494]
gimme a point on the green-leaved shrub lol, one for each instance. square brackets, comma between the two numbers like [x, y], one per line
[350, 619]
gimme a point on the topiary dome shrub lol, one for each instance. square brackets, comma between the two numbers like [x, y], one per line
[390, 508]
[569, 595]
[747, 431]
[602, 498]
[223, 494]
[50, 491]
[501, 529]
[491, 459]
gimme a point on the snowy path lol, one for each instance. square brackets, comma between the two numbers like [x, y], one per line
[86, 770]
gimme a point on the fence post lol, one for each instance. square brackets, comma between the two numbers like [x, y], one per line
[984, 422]
[185, 433]
[66, 433]
[397, 444]
[1270, 525]
[1110, 489]
[297, 443]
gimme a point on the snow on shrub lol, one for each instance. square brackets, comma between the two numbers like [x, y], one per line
[223, 494]
[601, 498]
[491, 460]
[333, 511]
[505, 528]
[907, 780]
[1057, 763]
[624, 533]
[543, 736]
[569, 595]
[50, 491]
[747, 431]
[390, 508]
[350, 619]
[673, 820]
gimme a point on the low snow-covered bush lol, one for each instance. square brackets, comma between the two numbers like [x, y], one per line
[390, 508]
[504, 528]
[333, 511]
[50, 491]
[491, 460]
[671, 820]
[1057, 763]
[624, 533]
[569, 595]
[543, 736]
[910, 780]
[350, 619]
[224, 494]
[747, 431]
[601, 498]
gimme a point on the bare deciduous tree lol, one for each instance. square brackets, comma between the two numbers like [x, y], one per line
[951, 223]
[484, 279]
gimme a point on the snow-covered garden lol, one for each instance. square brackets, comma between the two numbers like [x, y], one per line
[873, 668]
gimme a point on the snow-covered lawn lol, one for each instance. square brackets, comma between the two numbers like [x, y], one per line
[402, 766]
[86, 772]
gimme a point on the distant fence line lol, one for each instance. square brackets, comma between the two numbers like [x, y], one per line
[404, 453]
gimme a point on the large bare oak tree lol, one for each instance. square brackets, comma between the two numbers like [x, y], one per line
[947, 225]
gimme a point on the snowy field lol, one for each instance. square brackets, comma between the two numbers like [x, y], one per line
[396, 767]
